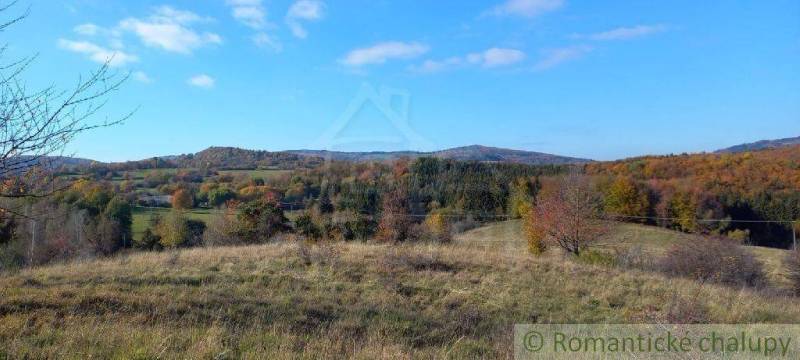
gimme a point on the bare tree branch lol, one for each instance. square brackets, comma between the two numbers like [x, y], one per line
[35, 125]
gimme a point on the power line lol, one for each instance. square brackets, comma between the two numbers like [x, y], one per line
[703, 220]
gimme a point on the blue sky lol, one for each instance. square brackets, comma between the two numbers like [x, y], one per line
[595, 79]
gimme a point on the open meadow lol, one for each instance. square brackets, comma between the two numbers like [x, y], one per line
[288, 300]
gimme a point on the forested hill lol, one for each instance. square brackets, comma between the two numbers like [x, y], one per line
[761, 145]
[237, 158]
[760, 187]
[465, 153]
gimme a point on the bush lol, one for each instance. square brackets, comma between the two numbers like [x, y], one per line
[633, 257]
[596, 257]
[716, 260]
[195, 231]
[305, 226]
[260, 220]
[436, 223]
[740, 236]
[148, 241]
[173, 229]
[792, 264]
[222, 230]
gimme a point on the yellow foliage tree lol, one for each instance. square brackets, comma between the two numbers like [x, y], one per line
[437, 224]
[533, 233]
[173, 229]
[624, 198]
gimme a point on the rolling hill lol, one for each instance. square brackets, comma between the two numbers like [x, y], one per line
[465, 153]
[220, 157]
[761, 145]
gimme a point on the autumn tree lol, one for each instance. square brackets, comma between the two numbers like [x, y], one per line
[173, 230]
[259, 220]
[521, 195]
[438, 226]
[569, 216]
[533, 233]
[395, 222]
[626, 199]
[683, 207]
[182, 200]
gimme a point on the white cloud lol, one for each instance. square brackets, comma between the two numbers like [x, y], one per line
[142, 77]
[432, 66]
[202, 81]
[87, 29]
[526, 8]
[169, 29]
[498, 57]
[98, 53]
[303, 10]
[382, 52]
[624, 33]
[494, 57]
[169, 14]
[251, 13]
[265, 40]
[555, 57]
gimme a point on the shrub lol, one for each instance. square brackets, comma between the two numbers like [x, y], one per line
[633, 257]
[173, 230]
[596, 257]
[260, 220]
[716, 260]
[437, 225]
[222, 230]
[219, 196]
[194, 232]
[148, 241]
[792, 264]
[740, 236]
[305, 226]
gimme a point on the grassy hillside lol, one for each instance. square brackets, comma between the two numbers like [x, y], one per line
[506, 236]
[341, 301]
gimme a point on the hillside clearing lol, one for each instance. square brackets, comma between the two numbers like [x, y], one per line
[507, 237]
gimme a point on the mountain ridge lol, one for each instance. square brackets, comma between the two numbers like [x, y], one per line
[760, 145]
[465, 153]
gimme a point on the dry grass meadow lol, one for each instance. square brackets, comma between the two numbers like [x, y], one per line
[345, 300]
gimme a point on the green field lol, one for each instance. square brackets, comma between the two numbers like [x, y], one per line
[141, 174]
[344, 300]
[141, 217]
